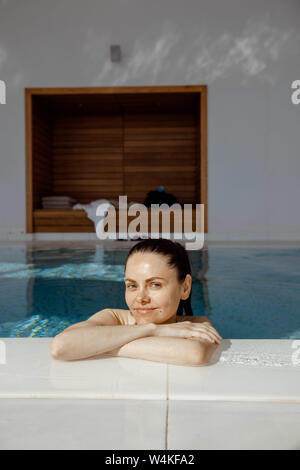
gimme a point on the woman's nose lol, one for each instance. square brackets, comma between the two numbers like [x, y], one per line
[142, 295]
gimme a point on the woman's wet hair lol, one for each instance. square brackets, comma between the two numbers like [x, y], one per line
[176, 257]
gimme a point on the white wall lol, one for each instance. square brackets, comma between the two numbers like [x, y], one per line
[247, 52]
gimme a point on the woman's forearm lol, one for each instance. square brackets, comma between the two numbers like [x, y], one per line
[169, 350]
[88, 341]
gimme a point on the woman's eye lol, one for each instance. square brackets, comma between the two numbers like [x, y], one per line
[152, 284]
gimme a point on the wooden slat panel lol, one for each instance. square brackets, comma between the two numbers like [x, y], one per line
[42, 148]
[116, 91]
[161, 129]
[149, 169]
[60, 213]
[88, 121]
[42, 167]
[102, 186]
[93, 159]
[96, 139]
[137, 133]
[86, 197]
[140, 196]
[85, 174]
[81, 155]
[105, 167]
[41, 154]
[169, 157]
[43, 183]
[62, 220]
[68, 132]
[156, 120]
[101, 147]
[148, 151]
[62, 229]
[202, 120]
[53, 220]
[160, 150]
[88, 156]
[178, 182]
[82, 183]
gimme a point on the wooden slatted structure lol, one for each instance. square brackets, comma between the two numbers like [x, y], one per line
[42, 164]
[101, 143]
[88, 156]
[160, 150]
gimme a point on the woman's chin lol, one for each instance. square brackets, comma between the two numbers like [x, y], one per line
[143, 321]
[156, 320]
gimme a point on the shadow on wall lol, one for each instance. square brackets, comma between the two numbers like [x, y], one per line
[193, 44]
[254, 53]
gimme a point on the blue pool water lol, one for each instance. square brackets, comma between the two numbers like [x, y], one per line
[246, 292]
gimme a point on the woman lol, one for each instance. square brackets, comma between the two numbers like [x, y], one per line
[158, 288]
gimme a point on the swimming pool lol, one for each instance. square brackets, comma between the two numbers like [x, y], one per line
[248, 293]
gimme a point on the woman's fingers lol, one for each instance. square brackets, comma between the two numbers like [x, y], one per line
[214, 332]
[210, 329]
[203, 330]
[213, 336]
[205, 336]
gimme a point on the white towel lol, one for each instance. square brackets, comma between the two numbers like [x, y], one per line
[91, 208]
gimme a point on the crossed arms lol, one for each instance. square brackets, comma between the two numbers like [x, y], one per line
[101, 335]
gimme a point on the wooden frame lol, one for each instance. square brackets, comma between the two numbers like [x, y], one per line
[31, 92]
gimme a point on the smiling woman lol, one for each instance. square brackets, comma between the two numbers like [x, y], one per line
[158, 289]
[158, 277]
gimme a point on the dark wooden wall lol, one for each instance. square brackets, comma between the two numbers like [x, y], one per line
[160, 150]
[106, 156]
[42, 167]
[88, 156]
[89, 149]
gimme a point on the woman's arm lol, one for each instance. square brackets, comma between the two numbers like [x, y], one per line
[98, 335]
[170, 350]
[102, 334]
[196, 351]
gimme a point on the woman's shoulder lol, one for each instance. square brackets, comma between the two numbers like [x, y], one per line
[193, 319]
[113, 316]
[125, 317]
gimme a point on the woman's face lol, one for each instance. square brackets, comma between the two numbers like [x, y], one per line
[153, 292]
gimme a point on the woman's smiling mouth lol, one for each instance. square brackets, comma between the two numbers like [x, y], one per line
[144, 310]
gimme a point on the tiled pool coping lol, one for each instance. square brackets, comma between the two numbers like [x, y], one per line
[247, 398]
[241, 370]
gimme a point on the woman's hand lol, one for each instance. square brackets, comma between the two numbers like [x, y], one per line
[189, 330]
